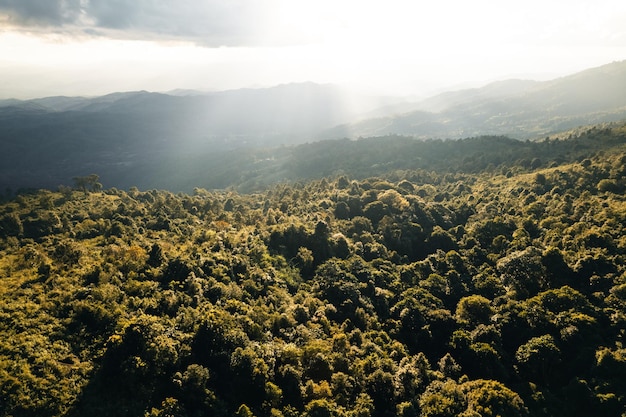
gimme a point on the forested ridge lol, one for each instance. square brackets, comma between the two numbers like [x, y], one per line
[252, 138]
[494, 285]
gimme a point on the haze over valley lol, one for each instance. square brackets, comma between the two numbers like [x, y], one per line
[160, 140]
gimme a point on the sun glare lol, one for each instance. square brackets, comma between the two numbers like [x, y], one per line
[399, 47]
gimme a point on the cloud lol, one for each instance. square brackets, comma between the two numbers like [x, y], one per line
[212, 22]
[47, 13]
[368, 23]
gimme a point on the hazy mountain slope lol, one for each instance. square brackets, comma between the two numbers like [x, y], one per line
[495, 90]
[593, 90]
[45, 142]
[155, 140]
[283, 114]
[516, 108]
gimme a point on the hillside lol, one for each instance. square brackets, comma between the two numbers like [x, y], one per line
[45, 142]
[250, 169]
[516, 108]
[498, 288]
[183, 140]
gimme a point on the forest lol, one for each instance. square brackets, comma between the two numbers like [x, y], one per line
[484, 277]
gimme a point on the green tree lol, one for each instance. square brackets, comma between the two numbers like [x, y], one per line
[442, 399]
[320, 408]
[474, 310]
[523, 272]
[449, 367]
[537, 358]
[490, 398]
[89, 183]
[244, 411]
[11, 225]
[375, 211]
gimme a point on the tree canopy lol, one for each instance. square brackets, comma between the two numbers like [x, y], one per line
[421, 292]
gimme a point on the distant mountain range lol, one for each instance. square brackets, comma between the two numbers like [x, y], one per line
[45, 142]
[517, 108]
[128, 138]
[291, 112]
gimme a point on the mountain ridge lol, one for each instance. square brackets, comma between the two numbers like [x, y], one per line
[127, 136]
[529, 110]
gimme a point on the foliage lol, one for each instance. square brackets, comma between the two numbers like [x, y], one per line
[417, 292]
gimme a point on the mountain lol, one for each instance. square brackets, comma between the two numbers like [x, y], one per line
[45, 142]
[186, 139]
[518, 108]
[284, 114]
[494, 90]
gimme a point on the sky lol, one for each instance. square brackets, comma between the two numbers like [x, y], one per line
[391, 47]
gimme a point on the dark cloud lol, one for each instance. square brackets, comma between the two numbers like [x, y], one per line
[213, 22]
[37, 12]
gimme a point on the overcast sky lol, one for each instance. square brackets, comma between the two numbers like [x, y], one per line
[89, 47]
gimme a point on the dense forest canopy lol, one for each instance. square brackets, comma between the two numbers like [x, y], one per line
[251, 169]
[485, 280]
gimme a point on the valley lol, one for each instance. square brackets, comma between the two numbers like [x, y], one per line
[182, 140]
